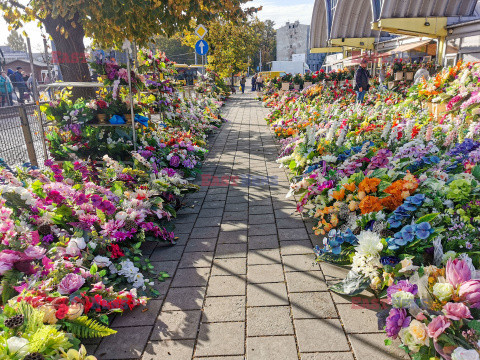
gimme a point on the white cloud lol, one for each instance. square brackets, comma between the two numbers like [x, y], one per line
[281, 13]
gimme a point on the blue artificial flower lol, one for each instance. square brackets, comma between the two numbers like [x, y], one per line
[408, 233]
[389, 260]
[423, 230]
[416, 199]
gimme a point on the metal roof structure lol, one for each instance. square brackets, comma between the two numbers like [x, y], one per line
[344, 19]
[426, 8]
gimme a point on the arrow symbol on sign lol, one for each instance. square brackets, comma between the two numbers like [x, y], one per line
[201, 45]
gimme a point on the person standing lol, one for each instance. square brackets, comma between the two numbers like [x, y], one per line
[243, 81]
[361, 80]
[421, 74]
[254, 82]
[19, 84]
[6, 89]
[382, 76]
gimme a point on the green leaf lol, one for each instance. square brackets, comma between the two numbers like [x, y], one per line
[474, 324]
[93, 269]
[476, 172]
[427, 218]
[387, 342]
[88, 328]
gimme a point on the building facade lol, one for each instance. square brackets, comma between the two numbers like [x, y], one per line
[293, 38]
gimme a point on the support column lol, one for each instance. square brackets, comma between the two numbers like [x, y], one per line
[441, 49]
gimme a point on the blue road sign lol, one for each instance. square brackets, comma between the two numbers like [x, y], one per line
[201, 47]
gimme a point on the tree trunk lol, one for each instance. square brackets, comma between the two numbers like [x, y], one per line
[70, 53]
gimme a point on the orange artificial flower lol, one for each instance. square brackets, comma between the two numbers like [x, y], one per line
[369, 185]
[339, 195]
[350, 187]
[370, 204]
[391, 202]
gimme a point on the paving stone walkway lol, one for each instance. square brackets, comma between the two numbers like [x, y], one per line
[244, 283]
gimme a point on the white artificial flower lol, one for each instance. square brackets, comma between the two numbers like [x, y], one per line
[369, 243]
[102, 261]
[17, 346]
[463, 354]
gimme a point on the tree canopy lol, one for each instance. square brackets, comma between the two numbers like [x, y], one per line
[16, 42]
[109, 22]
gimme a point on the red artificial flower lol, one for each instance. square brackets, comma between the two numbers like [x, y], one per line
[116, 251]
[62, 311]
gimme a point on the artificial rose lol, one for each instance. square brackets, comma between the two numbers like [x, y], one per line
[70, 283]
[470, 293]
[456, 311]
[396, 321]
[17, 346]
[74, 311]
[443, 291]
[437, 327]
[102, 261]
[415, 336]
[35, 252]
[457, 272]
[402, 299]
[464, 354]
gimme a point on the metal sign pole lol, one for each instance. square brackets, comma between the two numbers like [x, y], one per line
[36, 99]
[130, 95]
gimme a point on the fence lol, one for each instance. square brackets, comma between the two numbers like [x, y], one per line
[20, 136]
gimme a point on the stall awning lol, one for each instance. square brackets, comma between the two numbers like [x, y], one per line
[406, 47]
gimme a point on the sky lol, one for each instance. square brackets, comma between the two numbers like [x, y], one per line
[280, 11]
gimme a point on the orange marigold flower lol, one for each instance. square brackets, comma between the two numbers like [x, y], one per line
[369, 185]
[370, 204]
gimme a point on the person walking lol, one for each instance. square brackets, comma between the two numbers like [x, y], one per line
[254, 82]
[243, 81]
[361, 80]
[6, 89]
[259, 82]
[19, 84]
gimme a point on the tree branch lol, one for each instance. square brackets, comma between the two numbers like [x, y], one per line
[17, 4]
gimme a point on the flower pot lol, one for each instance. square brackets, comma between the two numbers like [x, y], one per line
[296, 86]
[285, 86]
[128, 118]
[391, 85]
[409, 76]
[399, 75]
[102, 118]
[307, 84]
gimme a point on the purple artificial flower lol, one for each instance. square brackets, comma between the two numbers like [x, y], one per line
[35, 252]
[96, 200]
[188, 164]
[47, 239]
[402, 285]
[169, 172]
[174, 161]
[396, 320]
[70, 283]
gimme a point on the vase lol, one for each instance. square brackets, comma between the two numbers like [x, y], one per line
[102, 118]
[409, 76]
[285, 86]
[296, 86]
[399, 75]
[307, 84]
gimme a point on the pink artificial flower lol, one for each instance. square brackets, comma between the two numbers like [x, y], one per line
[70, 283]
[20, 288]
[5, 266]
[35, 252]
[456, 311]
[437, 327]
[470, 293]
[457, 272]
